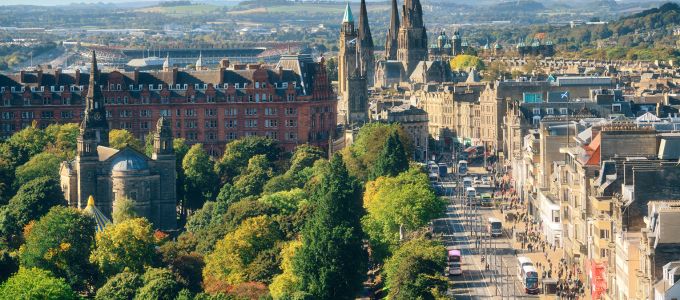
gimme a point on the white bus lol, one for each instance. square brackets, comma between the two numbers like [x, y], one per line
[526, 272]
[495, 227]
[462, 167]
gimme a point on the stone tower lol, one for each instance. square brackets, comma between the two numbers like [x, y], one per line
[391, 43]
[365, 45]
[164, 158]
[347, 53]
[412, 36]
[456, 43]
[94, 131]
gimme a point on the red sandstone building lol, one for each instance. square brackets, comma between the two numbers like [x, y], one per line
[291, 102]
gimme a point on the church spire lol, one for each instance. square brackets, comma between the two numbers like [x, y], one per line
[392, 33]
[365, 37]
[94, 129]
[348, 17]
[94, 93]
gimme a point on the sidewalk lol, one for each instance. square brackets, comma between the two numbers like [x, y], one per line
[547, 260]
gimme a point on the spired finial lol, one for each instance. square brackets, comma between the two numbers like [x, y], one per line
[348, 17]
[90, 201]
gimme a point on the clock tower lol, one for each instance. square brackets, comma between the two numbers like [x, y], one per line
[94, 129]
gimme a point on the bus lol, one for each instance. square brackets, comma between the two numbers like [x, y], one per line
[495, 227]
[454, 260]
[486, 199]
[527, 275]
[467, 182]
[471, 195]
[462, 167]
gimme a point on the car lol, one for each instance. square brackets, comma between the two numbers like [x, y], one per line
[486, 180]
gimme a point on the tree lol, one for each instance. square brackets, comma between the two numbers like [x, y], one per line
[129, 244]
[181, 149]
[232, 259]
[44, 164]
[331, 261]
[182, 260]
[35, 283]
[363, 154]
[62, 139]
[159, 284]
[60, 242]
[200, 181]
[465, 62]
[254, 177]
[304, 156]
[238, 153]
[392, 202]
[392, 159]
[414, 271]
[285, 285]
[123, 209]
[122, 286]
[27, 143]
[286, 202]
[8, 263]
[121, 138]
[33, 200]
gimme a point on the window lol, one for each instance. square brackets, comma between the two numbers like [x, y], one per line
[165, 99]
[191, 136]
[291, 136]
[191, 99]
[6, 102]
[165, 113]
[144, 125]
[536, 111]
[291, 123]
[210, 112]
[125, 100]
[232, 136]
[126, 125]
[549, 111]
[616, 107]
[146, 100]
[251, 111]
[47, 114]
[212, 123]
[272, 135]
[27, 115]
[564, 111]
[190, 124]
[291, 111]
[145, 113]
[211, 136]
[230, 123]
[271, 123]
[556, 216]
[66, 101]
[190, 112]
[250, 98]
[210, 99]
[7, 115]
[604, 234]
[270, 111]
[251, 123]
[604, 252]
[250, 133]
[27, 101]
[47, 101]
[257, 84]
[290, 97]
[125, 113]
[231, 112]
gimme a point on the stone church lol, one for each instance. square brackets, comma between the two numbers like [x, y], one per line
[108, 174]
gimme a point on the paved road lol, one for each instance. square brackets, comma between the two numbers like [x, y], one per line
[461, 230]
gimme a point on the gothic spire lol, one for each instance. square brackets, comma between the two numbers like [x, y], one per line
[94, 93]
[348, 18]
[413, 14]
[392, 33]
[365, 38]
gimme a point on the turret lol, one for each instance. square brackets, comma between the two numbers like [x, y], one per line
[348, 21]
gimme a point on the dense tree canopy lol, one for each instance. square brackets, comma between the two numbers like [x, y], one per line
[406, 200]
[238, 153]
[232, 259]
[254, 177]
[33, 200]
[363, 154]
[414, 271]
[60, 242]
[331, 261]
[129, 244]
[199, 179]
[464, 62]
[392, 159]
[44, 164]
[122, 286]
[123, 209]
[159, 284]
[34, 283]
[121, 138]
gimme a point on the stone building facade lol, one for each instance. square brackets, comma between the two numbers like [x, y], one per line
[291, 102]
[108, 174]
[355, 66]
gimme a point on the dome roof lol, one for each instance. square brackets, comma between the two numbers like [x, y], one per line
[129, 161]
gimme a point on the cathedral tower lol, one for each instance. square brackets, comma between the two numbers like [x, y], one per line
[164, 158]
[347, 53]
[412, 36]
[391, 43]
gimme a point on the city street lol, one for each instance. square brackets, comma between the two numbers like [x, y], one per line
[464, 228]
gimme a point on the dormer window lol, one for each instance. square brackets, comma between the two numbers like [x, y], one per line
[257, 84]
